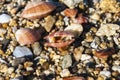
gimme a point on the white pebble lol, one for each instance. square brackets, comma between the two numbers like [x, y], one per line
[85, 57]
[4, 18]
[116, 68]
[65, 73]
[105, 73]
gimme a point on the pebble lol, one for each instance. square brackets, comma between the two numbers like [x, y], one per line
[5, 18]
[28, 64]
[65, 73]
[10, 70]
[95, 16]
[71, 3]
[105, 73]
[85, 57]
[21, 51]
[2, 31]
[76, 29]
[49, 22]
[116, 68]
[37, 49]
[67, 61]
[3, 68]
[18, 61]
[94, 45]
[29, 69]
[78, 53]
[107, 29]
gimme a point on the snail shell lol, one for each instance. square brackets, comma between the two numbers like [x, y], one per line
[27, 36]
[37, 10]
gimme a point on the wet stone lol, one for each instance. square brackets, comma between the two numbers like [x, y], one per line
[67, 61]
[22, 52]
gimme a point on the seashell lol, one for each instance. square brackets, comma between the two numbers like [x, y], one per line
[80, 19]
[74, 78]
[70, 12]
[27, 36]
[75, 29]
[59, 39]
[104, 53]
[37, 10]
[4, 18]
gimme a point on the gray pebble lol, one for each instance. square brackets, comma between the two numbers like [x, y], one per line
[67, 61]
[22, 52]
[18, 61]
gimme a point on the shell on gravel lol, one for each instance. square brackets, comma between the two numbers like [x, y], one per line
[37, 10]
[27, 36]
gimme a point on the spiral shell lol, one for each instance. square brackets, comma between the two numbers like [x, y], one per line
[27, 36]
[37, 10]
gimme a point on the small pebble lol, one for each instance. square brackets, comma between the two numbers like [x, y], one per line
[36, 48]
[105, 73]
[116, 68]
[85, 57]
[21, 51]
[4, 18]
[65, 73]
[67, 61]
[18, 61]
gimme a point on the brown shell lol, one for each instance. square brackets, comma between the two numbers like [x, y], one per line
[70, 12]
[27, 36]
[81, 19]
[55, 39]
[104, 53]
[74, 78]
[37, 10]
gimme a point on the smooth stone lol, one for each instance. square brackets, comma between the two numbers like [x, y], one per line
[67, 61]
[18, 61]
[4, 18]
[21, 51]
[37, 49]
